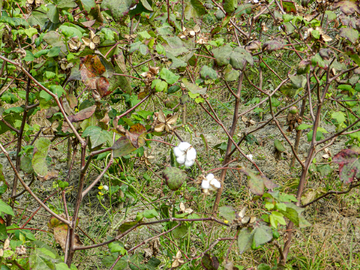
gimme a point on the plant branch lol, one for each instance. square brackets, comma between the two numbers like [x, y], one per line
[29, 190]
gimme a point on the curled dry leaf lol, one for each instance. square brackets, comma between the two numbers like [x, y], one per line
[203, 38]
[75, 44]
[183, 209]
[152, 250]
[293, 119]
[164, 122]
[92, 74]
[50, 130]
[178, 261]
[327, 153]
[248, 122]
[60, 232]
[146, 158]
[253, 46]
[92, 41]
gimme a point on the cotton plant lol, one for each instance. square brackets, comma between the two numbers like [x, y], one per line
[185, 154]
[210, 183]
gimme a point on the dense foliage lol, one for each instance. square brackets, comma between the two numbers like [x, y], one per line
[112, 79]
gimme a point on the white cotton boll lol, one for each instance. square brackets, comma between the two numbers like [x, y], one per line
[105, 187]
[178, 152]
[215, 183]
[205, 184]
[250, 156]
[189, 163]
[183, 146]
[210, 177]
[181, 159]
[191, 154]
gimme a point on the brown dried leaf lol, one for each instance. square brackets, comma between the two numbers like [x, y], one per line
[160, 127]
[60, 234]
[83, 114]
[161, 117]
[172, 120]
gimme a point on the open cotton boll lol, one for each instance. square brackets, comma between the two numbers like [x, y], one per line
[183, 146]
[191, 154]
[189, 163]
[210, 177]
[181, 159]
[177, 151]
[205, 184]
[214, 182]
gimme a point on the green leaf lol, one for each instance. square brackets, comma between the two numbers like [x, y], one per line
[277, 218]
[351, 34]
[315, 34]
[4, 208]
[30, 32]
[262, 235]
[245, 238]
[324, 169]
[40, 153]
[97, 135]
[160, 49]
[346, 87]
[42, 259]
[144, 34]
[41, 53]
[146, 5]
[3, 232]
[117, 247]
[38, 19]
[14, 110]
[122, 147]
[198, 6]
[71, 30]
[53, 13]
[160, 86]
[108, 261]
[230, 5]
[88, 4]
[180, 231]
[230, 74]
[150, 213]
[29, 56]
[3, 186]
[53, 52]
[26, 165]
[319, 135]
[227, 212]
[65, 3]
[118, 8]
[58, 90]
[331, 15]
[168, 76]
[222, 55]
[207, 72]
[61, 266]
[263, 266]
[291, 214]
[338, 116]
[278, 145]
[239, 57]
[303, 126]
[127, 225]
[317, 61]
[193, 88]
